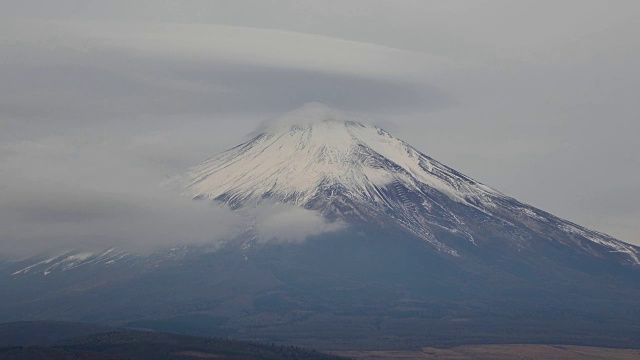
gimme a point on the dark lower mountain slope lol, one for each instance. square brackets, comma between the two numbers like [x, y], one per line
[45, 333]
[133, 345]
[358, 288]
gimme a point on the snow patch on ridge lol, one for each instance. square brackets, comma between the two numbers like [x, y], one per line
[604, 240]
[72, 260]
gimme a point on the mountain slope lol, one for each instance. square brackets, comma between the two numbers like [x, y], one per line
[356, 172]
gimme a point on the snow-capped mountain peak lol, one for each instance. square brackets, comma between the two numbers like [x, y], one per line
[297, 163]
[358, 172]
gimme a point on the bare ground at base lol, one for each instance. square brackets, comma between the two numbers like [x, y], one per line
[500, 352]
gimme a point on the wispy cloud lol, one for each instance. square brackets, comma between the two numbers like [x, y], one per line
[59, 195]
[287, 223]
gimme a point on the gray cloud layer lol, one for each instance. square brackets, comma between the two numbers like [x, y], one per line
[96, 107]
[59, 194]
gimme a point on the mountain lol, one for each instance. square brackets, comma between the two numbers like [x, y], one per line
[356, 172]
[405, 252]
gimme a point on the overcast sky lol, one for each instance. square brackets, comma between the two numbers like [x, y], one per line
[102, 100]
